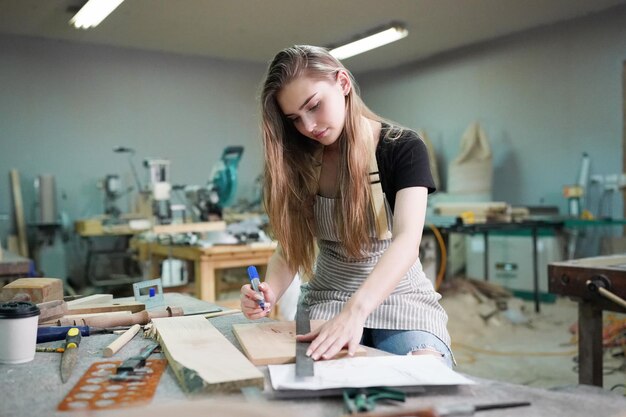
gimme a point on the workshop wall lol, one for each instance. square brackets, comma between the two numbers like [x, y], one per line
[543, 97]
[65, 106]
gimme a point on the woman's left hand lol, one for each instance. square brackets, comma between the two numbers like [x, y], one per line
[327, 340]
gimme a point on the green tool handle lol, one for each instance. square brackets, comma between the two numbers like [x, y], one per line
[129, 365]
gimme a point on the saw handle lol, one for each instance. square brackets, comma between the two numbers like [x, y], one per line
[72, 339]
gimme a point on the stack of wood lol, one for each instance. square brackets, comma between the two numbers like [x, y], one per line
[98, 310]
[482, 212]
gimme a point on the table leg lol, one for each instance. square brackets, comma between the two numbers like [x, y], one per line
[205, 280]
[589, 344]
[155, 266]
[486, 256]
[535, 271]
[88, 261]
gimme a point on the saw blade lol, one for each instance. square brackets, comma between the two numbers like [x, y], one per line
[304, 363]
[68, 361]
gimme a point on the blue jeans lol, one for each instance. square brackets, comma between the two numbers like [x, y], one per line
[403, 342]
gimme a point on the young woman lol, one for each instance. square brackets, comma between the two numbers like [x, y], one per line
[326, 157]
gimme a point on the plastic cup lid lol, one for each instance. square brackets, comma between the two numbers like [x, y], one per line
[18, 310]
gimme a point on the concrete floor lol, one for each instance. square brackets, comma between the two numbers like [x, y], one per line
[538, 351]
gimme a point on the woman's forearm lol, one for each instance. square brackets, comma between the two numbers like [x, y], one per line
[278, 275]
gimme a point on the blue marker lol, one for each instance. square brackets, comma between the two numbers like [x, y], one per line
[255, 282]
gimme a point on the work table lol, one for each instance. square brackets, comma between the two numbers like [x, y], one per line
[35, 389]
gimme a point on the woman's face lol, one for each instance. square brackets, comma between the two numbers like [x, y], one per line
[317, 108]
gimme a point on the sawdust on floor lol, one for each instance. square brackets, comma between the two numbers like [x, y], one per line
[514, 344]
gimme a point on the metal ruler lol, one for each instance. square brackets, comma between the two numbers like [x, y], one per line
[304, 363]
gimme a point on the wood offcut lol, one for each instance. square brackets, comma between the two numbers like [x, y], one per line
[202, 359]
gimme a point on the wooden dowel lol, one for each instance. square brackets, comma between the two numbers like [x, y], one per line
[121, 341]
[611, 296]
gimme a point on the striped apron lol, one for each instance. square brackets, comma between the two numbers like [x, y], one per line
[413, 304]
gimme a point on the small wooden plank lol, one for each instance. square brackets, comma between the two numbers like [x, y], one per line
[189, 227]
[202, 359]
[40, 290]
[91, 299]
[131, 306]
[51, 310]
[78, 319]
[274, 343]
[478, 208]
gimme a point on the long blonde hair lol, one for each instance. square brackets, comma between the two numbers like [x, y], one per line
[292, 161]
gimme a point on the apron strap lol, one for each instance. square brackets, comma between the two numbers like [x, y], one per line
[377, 203]
[377, 197]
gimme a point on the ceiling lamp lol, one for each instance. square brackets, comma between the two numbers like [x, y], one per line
[370, 41]
[93, 12]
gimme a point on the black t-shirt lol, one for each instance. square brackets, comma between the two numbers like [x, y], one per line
[402, 163]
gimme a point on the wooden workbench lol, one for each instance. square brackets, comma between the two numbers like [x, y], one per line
[35, 389]
[207, 261]
[13, 266]
[570, 278]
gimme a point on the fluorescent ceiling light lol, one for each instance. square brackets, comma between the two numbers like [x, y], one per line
[369, 42]
[93, 12]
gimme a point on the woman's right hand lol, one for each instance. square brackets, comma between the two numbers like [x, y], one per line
[250, 301]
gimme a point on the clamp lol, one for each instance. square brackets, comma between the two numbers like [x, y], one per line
[364, 399]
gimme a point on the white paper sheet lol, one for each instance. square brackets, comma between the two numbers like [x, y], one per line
[361, 372]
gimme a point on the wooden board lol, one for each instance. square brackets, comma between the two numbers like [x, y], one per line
[91, 299]
[202, 359]
[79, 319]
[189, 227]
[131, 306]
[274, 343]
[40, 290]
[480, 209]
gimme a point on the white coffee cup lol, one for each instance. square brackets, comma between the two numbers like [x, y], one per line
[18, 331]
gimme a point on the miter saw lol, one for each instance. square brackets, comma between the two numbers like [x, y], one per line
[207, 202]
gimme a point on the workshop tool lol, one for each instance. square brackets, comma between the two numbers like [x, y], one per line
[70, 354]
[357, 400]
[253, 274]
[52, 333]
[149, 292]
[304, 363]
[129, 368]
[117, 319]
[220, 190]
[95, 391]
[121, 341]
[444, 411]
